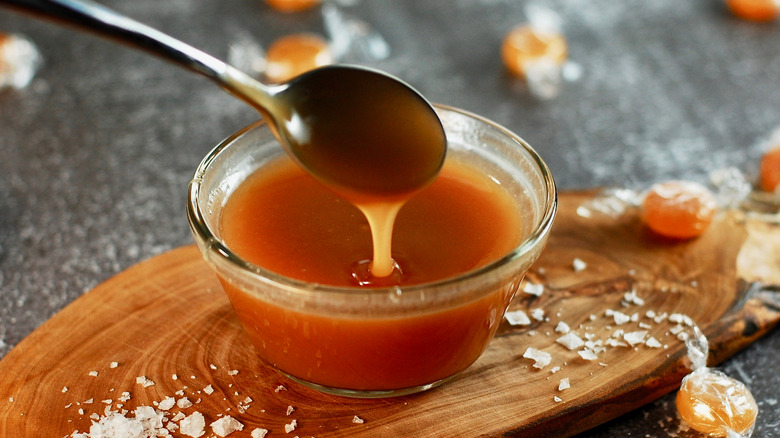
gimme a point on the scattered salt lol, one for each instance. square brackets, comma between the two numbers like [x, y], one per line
[516, 317]
[167, 403]
[533, 289]
[541, 359]
[259, 433]
[538, 314]
[184, 403]
[290, 410]
[143, 381]
[208, 390]
[193, 425]
[562, 327]
[232, 372]
[357, 420]
[93, 373]
[113, 365]
[226, 425]
[634, 338]
[578, 265]
[564, 384]
[571, 341]
[653, 342]
[291, 426]
[587, 354]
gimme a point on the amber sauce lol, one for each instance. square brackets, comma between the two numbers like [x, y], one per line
[284, 220]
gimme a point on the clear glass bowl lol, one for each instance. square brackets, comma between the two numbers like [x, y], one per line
[374, 342]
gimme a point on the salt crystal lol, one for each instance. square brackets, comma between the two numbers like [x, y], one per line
[93, 373]
[619, 317]
[541, 359]
[232, 372]
[653, 342]
[167, 403]
[632, 298]
[555, 369]
[290, 410]
[175, 377]
[533, 289]
[562, 327]
[564, 384]
[193, 425]
[64, 389]
[357, 420]
[212, 366]
[537, 314]
[226, 425]
[516, 317]
[143, 381]
[113, 364]
[184, 403]
[89, 401]
[578, 265]
[208, 390]
[676, 329]
[280, 388]
[571, 341]
[124, 397]
[634, 338]
[557, 399]
[587, 354]
[645, 325]
[259, 433]
[291, 426]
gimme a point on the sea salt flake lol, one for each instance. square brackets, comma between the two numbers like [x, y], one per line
[564, 384]
[562, 327]
[533, 289]
[290, 426]
[587, 354]
[193, 425]
[184, 403]
[538, 314]
[677, 329]
[516, 317]
[555, 370]
[259, 433]
[571, 341]
[557, 399]
[208, 390]
[578, 265]
[232, 372]
[619, 317]
[632, 298]
[541, 358]
[290, 410]
[226, 425]
[280, 388]
[634, 338]
[357, 420]
[167, 403]
[64, 389]
[143, 381]
[93, 373]
[653, 342]
[113, 365]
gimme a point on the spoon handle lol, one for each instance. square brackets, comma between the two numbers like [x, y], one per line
[108, 23]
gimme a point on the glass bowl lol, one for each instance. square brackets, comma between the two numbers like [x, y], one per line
[374, 342]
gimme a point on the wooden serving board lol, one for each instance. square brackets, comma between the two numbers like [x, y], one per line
[169, 316]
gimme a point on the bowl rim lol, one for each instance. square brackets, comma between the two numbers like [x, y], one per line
[209, 242]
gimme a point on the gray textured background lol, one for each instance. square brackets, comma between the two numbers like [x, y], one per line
[96, 153]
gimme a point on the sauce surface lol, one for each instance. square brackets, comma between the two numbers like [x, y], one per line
[284, 220]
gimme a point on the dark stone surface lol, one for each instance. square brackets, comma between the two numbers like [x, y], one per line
[96, 154]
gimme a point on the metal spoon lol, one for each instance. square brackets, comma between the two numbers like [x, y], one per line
[363, 132]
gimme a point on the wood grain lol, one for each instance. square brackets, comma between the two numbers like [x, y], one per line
[169, 316]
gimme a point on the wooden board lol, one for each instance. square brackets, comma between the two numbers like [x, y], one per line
[169, 316]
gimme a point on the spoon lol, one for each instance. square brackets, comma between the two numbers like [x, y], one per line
[362, 132]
